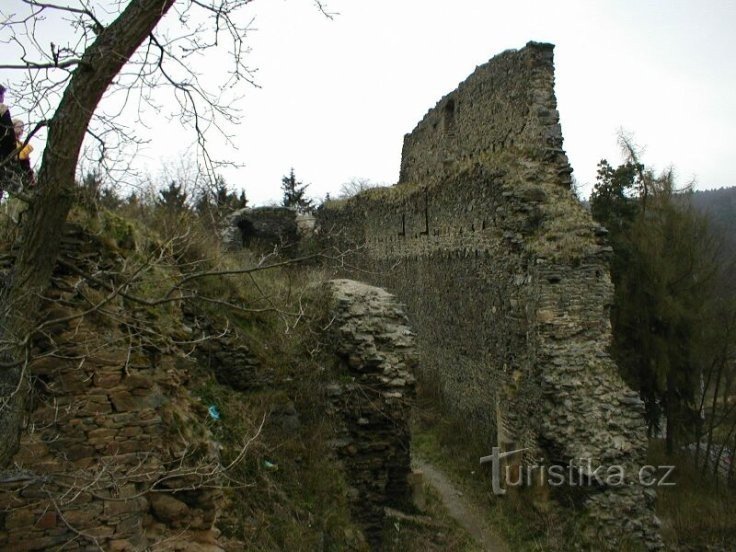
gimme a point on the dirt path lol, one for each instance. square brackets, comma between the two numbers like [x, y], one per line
[460, 509]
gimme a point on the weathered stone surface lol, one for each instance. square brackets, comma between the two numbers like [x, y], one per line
[167, 508]
[506, 279]
[261, 228]
[373, 441]
[100, 432]
[232, 362]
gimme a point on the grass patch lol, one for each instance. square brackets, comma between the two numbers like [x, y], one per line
[440, 534]
[526, 524]
[696, 513]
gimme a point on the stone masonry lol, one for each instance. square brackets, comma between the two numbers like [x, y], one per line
[116, 454]
[505, 278]
[371, 400]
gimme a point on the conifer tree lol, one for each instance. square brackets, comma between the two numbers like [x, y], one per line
[663, 270]
[295, 193]
[173, 198]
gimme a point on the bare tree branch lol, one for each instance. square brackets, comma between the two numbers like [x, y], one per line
[36, 66]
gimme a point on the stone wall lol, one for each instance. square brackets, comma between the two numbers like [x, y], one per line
[116, 454]
[505, 278]
[371, 400]
[504, 106]
[261, 228]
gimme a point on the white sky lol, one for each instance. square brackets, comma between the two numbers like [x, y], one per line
[338, 95]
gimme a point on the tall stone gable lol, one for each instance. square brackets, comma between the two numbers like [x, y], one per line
[505, 279]
[506, 105]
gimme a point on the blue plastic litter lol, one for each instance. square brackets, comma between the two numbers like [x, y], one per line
[214, 413]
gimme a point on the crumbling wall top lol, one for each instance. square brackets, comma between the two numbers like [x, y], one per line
[506, 105]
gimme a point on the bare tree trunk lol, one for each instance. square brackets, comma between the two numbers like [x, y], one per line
[670, 414]
[721, 450]
[41, 234]
[701, 413]
[731, 481]
[712, 423]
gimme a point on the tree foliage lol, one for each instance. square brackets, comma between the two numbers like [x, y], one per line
[664, 269]
[216, 201]
[295, 193]
[220, 198]
[173, 198]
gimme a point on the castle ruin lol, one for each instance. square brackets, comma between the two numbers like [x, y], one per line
[506, 281]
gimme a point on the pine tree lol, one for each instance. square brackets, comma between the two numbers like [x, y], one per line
[218, 200]
[663, 269]
[173, 198]
[294, 193]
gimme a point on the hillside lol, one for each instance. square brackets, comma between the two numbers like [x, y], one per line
[187, 398]
[165, 422]
[720, 206]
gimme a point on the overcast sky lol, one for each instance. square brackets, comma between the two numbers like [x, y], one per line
[336, 96]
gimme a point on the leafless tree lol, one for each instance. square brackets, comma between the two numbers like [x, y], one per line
[119, 53]
[355, 186]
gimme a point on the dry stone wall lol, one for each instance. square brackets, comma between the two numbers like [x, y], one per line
[116, 454]
[506, 281]
[370, 402]
[260, 228]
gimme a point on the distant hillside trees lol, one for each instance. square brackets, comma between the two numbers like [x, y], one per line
[720, 208]
[667, 314]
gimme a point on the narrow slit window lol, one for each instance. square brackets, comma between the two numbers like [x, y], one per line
[449, 117]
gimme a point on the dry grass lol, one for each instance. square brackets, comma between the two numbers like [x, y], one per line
[441, 534]
[525, 523]
[696, 514]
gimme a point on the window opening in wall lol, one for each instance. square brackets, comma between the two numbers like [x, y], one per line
[449, 117]
[247, 232]
[426, 214]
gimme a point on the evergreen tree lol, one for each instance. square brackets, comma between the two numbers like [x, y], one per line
[92, 184]
[173, 198]
[218, 200]
[663, 269]
[294, 193]
[94, 193]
